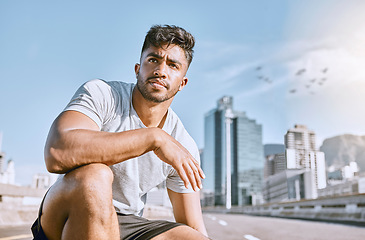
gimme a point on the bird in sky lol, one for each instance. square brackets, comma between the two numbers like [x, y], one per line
[293, 91]
[325, 70]
[267, 80]
[300, 71]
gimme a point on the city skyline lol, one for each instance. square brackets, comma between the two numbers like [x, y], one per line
[285, 63]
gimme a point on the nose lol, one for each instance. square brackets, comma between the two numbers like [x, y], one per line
[160, 70]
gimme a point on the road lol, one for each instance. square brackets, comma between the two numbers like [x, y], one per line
[243, 227]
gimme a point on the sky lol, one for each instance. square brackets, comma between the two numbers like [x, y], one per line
[283, 62]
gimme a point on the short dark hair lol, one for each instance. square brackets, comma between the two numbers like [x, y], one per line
[159, 35]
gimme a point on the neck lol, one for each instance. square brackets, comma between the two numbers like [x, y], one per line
[152, 114]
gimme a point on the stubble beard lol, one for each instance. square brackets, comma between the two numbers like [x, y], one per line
[142, 88]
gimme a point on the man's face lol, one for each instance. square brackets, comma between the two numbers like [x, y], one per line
[161, 73]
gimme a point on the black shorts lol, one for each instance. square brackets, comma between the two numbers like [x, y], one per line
[131, 227]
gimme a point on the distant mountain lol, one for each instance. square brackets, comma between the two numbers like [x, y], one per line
[341, 150]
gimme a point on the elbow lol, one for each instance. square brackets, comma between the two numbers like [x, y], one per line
[53, 161]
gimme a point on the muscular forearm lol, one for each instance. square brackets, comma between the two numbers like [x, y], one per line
[80, 147]
[73, 148]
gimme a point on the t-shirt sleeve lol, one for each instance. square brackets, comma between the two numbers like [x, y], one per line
[95, 99]
[173, 181]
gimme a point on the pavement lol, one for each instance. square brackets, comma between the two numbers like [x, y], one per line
[244, 227]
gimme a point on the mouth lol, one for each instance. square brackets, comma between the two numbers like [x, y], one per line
[157, 83]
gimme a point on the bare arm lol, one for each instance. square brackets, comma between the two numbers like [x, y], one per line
[187, 209]
[75, 140]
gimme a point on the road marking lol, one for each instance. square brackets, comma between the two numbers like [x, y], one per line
[17, 237]
[250, 237]
[211, 217]
[223, 223]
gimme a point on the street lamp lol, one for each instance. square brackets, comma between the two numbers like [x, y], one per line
[229, 116]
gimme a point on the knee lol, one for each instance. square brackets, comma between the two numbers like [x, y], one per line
[93, 179]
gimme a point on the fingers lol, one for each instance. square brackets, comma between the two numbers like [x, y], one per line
[201, 173]
[191, 176]
[197, 166]
[197, 177]
[191, 173]
[183, 176]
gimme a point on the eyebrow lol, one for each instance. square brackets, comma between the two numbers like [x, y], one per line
[158, 56]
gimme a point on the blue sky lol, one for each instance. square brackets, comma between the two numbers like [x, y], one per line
[49, 48]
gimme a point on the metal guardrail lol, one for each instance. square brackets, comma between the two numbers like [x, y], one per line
[346, 209]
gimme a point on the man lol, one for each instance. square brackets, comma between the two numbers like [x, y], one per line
[114, 142]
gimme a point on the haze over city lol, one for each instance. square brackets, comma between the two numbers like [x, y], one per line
[283, 62]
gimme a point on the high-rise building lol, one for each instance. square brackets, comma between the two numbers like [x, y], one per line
[301, 153]
[299, 172]
[302, 140]
[246, 155]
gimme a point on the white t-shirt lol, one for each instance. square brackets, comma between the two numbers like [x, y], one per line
[109, 104]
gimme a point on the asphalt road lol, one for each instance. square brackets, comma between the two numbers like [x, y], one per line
[232, 227]
[243, 227]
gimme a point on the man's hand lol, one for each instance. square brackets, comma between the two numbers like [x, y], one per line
[172, 152]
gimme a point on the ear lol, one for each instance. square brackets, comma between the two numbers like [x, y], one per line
[136, 68]
[183, 83]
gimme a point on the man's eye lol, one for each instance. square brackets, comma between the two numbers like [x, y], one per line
[152, 60]
[173, 65]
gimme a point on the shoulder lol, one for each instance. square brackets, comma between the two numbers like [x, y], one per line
[122, 87]
[107, 91]
[181, 135]
[110, 86]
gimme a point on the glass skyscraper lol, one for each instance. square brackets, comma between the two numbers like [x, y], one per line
[246, 148]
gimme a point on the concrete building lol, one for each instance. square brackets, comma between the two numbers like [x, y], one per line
[301, 153]
[274, 164]
[299, 172]
[276, 187]
[245, 151]
[344, 181]
[7, 176]
[44, 180]
[7, 173]
[352, 186]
